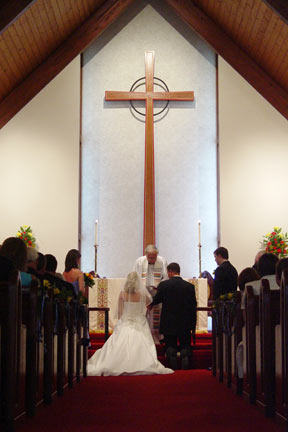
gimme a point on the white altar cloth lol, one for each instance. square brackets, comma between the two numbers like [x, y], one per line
[105, 293]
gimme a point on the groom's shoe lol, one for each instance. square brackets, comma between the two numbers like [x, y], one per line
[185, 358]
[185, 363]
[172, 363]
[172, 358]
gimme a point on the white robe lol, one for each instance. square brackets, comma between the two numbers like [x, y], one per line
[152, 275]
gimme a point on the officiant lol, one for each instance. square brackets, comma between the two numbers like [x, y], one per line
[152, 269]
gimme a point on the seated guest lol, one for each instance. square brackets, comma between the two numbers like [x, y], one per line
[256, 260]
[267, 265]
[13, 255]
[267, 268]
[51, 266]
[280, 266]
[31, 272]
[41, 264]
[249, 274]
[72, 273]
[225, 280]
[52, 276]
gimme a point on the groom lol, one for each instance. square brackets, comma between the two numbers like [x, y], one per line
[178, 315]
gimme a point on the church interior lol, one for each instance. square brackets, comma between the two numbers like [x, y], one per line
[76, 141]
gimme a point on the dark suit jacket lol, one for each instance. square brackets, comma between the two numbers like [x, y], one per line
[225, 280]
[178, 300]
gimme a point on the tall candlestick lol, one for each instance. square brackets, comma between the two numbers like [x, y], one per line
[96, 232]
[199, 246]
[96, 247]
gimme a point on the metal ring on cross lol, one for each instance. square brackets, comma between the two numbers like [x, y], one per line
[137, 84]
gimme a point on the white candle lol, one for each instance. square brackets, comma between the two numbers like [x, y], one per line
[199, 236]
[96, 231]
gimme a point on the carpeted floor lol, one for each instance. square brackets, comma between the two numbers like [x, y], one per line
[184, 401]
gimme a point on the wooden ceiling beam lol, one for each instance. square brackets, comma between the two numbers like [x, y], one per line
[57, 61]
[195, 18]
[10, 10]
[280, 7]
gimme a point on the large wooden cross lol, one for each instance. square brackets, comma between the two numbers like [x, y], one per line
[149, 96]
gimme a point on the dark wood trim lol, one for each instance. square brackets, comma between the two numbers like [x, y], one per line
[280, 7]
[195, 18]
[57, 61]
[10, 11]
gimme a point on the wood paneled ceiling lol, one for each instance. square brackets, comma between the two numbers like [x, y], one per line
[39, 38]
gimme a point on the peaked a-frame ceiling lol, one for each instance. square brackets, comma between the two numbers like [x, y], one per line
[38, 38]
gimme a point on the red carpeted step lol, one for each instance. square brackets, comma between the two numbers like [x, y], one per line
[201, 356]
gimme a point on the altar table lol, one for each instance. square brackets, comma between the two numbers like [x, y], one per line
[105, 293]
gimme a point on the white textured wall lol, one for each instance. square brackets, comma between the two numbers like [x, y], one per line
[39, 166]
[113, 145]
[253, 167]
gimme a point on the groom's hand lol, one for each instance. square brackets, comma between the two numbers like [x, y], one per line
[150, 306]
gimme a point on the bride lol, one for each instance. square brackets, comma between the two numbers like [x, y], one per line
[130, 350]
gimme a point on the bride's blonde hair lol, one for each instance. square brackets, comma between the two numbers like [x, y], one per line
[132, 283]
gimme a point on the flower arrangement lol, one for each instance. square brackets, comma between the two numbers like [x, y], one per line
[25, 234]
[276, 242]
[88, 280]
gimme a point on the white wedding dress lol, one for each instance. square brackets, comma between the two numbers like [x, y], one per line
[130, 350]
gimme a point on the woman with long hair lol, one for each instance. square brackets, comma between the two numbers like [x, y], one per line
[130, 350]
[72, 272]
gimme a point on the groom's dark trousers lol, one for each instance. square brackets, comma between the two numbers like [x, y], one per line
[178, 314]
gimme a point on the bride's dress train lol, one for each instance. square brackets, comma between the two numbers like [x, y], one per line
[130, 350]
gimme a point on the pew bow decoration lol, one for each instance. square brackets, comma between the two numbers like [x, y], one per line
[276, 242]
[25, 233]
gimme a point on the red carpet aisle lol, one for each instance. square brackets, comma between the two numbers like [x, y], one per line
[185, 401]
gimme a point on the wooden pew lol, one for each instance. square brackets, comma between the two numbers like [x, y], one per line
[249, 344]
[54, 356]
[281, 352]
[10, 330]
[48, 340]
[217, 344]
[29, 308]
[227, 334]
[269, 317]
[61, 345]
[37, 359]
[236, 338]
